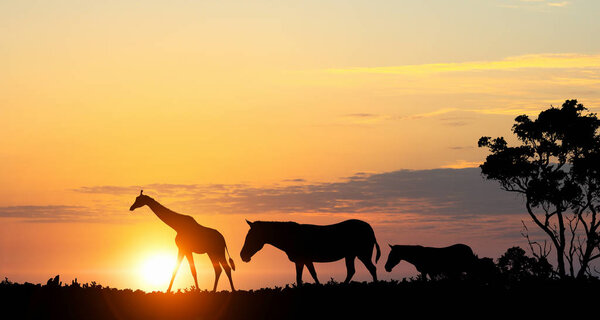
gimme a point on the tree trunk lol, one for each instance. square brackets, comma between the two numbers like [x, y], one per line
[562, 243]
[560, 257]
[585, 259]
[559, 243]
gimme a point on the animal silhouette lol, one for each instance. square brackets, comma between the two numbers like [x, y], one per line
[191, 238]
[307, 243]
[449, 261]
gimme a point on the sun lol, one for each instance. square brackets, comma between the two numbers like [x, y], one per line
[156, 270]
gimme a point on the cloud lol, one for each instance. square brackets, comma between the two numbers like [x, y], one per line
[558, 4]
[165, 188]
[536, 5]
[429, 114]
[424, 192]
[52, 213]
[535, 61]
[294, 180]
[461, 147]
[457, 117]
[363, 118]
[457, 191]
[510, 86]
[361, 115]
[460, 164]
[456, 121]
[114, 190]
[506, 111]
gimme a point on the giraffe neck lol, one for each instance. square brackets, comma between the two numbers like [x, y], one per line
[171, 218]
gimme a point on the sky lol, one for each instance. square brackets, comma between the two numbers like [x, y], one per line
[312, 111]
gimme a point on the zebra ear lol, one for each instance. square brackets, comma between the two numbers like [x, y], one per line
[249, 223]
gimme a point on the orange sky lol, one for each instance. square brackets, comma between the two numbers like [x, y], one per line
[179, 98]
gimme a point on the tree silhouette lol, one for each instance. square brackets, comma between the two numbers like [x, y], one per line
[556, 168]
[515, 265]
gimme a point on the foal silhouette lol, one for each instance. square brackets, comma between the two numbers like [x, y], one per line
[307, 243]
[191, 237]
[449, 261]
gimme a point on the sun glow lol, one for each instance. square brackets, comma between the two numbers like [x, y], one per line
[156, 271]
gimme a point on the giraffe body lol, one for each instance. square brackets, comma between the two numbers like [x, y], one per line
[191, 238]
[202, 240]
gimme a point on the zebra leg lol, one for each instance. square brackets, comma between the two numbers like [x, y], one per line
[349, 268]
[370, 266]
[299, 269]
[313, 273]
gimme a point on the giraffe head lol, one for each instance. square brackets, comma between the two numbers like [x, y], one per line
[140, 201]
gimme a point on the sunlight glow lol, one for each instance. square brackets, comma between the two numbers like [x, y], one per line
[156, 271]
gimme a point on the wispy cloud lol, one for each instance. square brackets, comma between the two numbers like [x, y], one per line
[538, 61]
[429, 114]
[295, 180]
[558, 4]
[438, 191]
[461, 147]
[461, 164]
[165, 188]
[461, 120]
[363, 118]
[455, 116]
[534, 4]
[457, 190]
[51, 213]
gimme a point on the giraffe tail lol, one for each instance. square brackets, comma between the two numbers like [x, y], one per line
[231, 264]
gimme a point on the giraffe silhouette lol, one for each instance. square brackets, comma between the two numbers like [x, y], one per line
[191, 238]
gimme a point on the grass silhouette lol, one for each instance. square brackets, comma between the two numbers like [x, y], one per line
[383, 299]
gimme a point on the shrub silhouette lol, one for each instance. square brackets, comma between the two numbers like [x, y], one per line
[332, 300]
[515, 265]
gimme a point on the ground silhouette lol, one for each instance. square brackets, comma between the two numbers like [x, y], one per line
[191, 238]
[449, 261]
[307, 243]
[511, 293]
[382, 299]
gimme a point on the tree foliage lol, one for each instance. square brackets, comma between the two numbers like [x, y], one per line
[556, 168]
[515, 265]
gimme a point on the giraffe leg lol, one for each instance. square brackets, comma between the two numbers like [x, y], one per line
[179, 258]
[227, 269]
[217, 267]
[190, 258]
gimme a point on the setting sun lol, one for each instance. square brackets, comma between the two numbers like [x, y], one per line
[156, 271]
